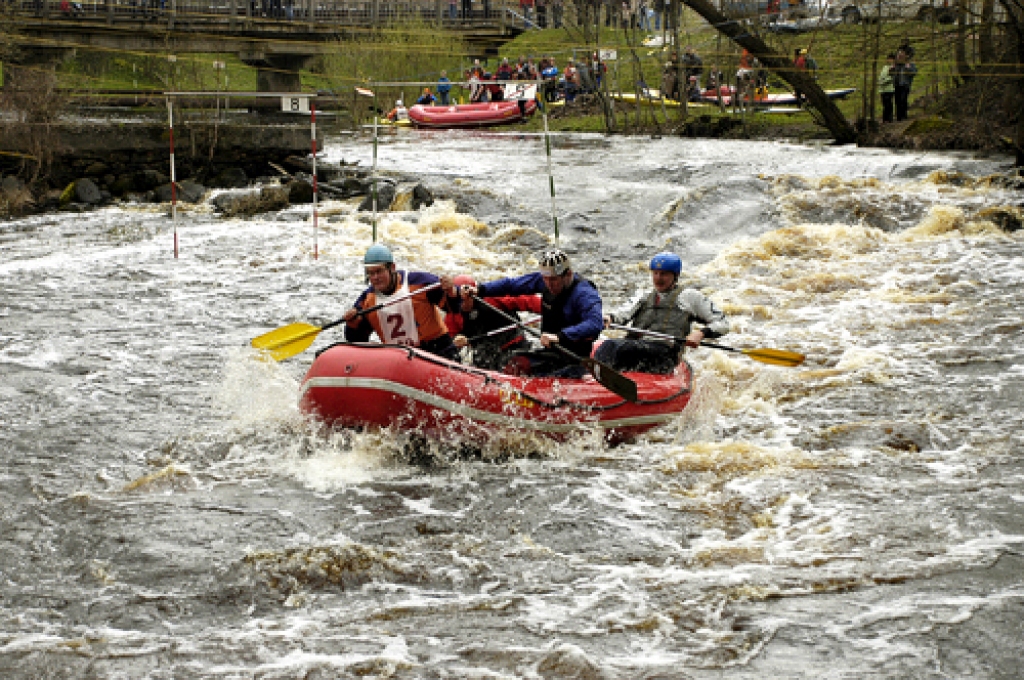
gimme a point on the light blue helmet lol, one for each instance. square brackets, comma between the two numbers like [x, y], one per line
[378, 253]
[667, 262]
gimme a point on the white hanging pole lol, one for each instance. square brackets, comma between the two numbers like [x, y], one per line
[174, 183]
[547, 147]
[312, 133]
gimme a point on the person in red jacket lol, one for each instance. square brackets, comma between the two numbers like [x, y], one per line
[474, 325]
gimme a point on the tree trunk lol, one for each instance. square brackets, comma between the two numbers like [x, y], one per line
[963, 68]
[986, 48]
[782, 65]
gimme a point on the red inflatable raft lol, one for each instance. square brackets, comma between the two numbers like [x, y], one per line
[472, 115]
[373, 385]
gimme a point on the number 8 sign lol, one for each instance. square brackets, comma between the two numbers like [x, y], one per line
[295, 104]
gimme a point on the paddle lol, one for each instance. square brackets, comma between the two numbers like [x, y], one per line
[777, 357]
[602, 372]
[497, 331]
[294, 338]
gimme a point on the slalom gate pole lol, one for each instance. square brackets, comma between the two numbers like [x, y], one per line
[312, 135]
[373, 171]
[174, 183]
[547, 147]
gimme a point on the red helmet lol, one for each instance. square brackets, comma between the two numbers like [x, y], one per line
[464, 280]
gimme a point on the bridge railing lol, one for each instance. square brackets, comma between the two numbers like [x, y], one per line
[445, 13]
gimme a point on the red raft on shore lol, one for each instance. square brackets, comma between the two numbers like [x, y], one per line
[372, 385]
[472, 115]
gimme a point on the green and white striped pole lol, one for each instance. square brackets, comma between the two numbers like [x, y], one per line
[547, 148]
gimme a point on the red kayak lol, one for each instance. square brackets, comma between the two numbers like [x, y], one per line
[472, 115]
[369, 385]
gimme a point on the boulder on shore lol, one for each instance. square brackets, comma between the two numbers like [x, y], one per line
[82, 190]
[299, 191]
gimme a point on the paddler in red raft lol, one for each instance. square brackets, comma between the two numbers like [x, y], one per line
[487, 332]
[415, 320]
[570, 315]
[680, 316]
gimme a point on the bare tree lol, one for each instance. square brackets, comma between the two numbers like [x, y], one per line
[31, 98]
[831, 117]
[1015, 36]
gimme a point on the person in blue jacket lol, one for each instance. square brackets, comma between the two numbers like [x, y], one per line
[571, 315]
[444, 87]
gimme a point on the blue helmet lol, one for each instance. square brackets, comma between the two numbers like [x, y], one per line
[378, 253]
[667, 262]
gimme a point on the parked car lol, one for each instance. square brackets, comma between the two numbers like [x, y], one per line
[856, 11]
[767, 9]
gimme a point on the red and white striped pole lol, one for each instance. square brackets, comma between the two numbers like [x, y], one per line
[312, 117]
[174, 182]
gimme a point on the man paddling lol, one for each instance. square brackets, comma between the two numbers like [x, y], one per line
[668, 309]
[570, 315]
[416, 320]
[485, 330]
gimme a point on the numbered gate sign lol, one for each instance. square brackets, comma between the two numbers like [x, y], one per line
[609, 55]
[295, 104]
[515, 91]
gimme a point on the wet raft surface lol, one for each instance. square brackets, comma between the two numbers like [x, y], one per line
[169, 514]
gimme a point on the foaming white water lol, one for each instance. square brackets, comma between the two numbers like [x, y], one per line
[257, 391]
[165, 485]
[336, 461]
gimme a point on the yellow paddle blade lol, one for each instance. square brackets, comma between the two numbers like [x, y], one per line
[778, 357]
[287, 341]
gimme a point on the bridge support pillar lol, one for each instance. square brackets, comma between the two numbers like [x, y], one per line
[277, 72]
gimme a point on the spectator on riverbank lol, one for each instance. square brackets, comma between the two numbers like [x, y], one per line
[804, 62]
[557, 12]
[670, 78]
[527, 8]
[477, 91]
[427, 98]
[693, 68]
[70, 9]
[903, 74]
[887, 88]
[504, 71]
[444, 87]
[570, 80]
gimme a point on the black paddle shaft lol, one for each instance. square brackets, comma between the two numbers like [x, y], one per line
[605, 374]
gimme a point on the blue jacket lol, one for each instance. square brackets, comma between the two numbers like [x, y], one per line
[443, 85]
[575, 315]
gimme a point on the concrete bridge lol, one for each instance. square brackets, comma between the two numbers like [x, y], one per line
[278, 37]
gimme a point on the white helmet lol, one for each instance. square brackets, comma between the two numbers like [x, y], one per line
[554, 263]
[399, 103]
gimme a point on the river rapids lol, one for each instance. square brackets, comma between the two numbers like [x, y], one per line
[169, 513]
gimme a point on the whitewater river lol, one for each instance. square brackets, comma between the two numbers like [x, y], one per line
[167, 513]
